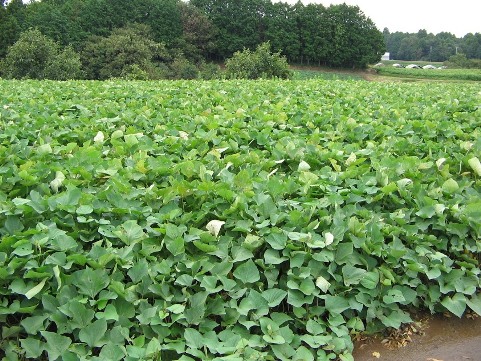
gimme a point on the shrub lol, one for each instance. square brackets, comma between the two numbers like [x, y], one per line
[261, 63]
[126, 50]
[181, 68]
[35, 56]
[65, 66]
[29, 56]
[461, 61]
[134, 72]
[208, 71]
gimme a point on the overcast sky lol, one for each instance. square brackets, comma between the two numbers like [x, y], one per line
[458, 17]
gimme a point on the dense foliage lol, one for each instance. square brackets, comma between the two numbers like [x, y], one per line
[199, 31]
[261, 63]
[429, 47]
[232, 220]
[35, 56]
[462, 62]
[339, 35]
[122, 53]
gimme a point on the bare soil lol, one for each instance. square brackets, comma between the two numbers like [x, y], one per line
[439, 339]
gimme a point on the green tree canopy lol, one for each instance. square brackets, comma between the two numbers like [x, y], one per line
[36, 56]
[261, 63]
[115, 55]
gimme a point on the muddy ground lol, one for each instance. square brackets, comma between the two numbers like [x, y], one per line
[441, 339]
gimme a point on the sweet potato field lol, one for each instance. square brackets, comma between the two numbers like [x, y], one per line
[232, 220]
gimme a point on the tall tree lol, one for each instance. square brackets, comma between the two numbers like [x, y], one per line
[198, 32]
[281, 30]
[355, 40]
[471, 45]
[164, 18]
[7, 23]
[313, 32]
[48, 17]
[240, 22]
[12, 16]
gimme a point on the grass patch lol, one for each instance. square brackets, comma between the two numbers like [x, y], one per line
[321, 73]
[431, 74]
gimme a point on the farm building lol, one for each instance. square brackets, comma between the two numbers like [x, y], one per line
[386, 56]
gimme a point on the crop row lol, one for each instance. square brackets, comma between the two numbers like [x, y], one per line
[441, 74]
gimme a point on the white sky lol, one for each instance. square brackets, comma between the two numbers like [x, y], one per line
[458, 17]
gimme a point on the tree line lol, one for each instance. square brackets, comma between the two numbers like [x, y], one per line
[429, 47]
[174, 35]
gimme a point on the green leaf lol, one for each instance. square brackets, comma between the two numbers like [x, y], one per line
[282, 352]
[34, 324]
[474, 303]
[112, 352]
[274, 296]
[176, 309]
[131, 139]
[352, 275]
[93, 334]
[336, 304]
[303, 354]
[274, 339]
[130, 232]
[307, 286]
[370, 280]
[110, 313]
[247, 272]
[204, 247]
[61, 241]
[455, 304]
[81, 315]
[450, 186]
[84, 209]
[153, 348]
[277, 241]
[344, 252]
[44, 149]
[56, 344]
[253, 302]
[70, 197]
[272, 257]
[393, 296]
[139, 271]
[172, 231]
[426, 212]
[195, 313]
[271, 331]
[433, 273]
[90, 282]
[193, 338]
[395, 319]
[316, 341]
[175, 246]
[346, 357]
[315, 328]
[13, 224]
[33, 348]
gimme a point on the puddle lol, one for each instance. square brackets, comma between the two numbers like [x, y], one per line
[444, 339]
